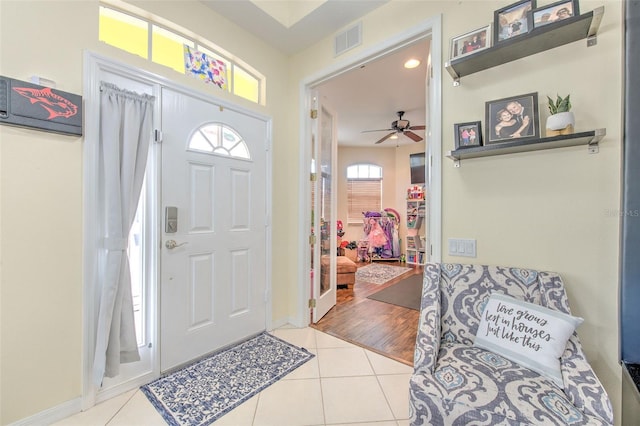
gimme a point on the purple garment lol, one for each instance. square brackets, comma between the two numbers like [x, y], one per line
[387, 227]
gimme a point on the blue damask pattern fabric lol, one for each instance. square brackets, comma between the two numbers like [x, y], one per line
[455, 383]
[466, 289]
[428, 337]
[582, 386]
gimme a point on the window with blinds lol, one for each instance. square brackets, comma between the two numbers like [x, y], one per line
[364, 190]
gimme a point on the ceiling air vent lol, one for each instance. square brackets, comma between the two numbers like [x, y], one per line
[348, 39]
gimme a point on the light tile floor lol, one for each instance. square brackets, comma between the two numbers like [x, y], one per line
[343, 384]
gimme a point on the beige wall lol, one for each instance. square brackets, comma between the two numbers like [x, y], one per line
[41, 236]
[543, 210]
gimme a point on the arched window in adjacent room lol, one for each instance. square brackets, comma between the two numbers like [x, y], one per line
[364, 190]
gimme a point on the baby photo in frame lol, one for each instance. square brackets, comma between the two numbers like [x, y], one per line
[467, 134]
[513, 20]
[555, 12]
[511, 118]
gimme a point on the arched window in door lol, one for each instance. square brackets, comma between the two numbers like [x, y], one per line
[219, 139]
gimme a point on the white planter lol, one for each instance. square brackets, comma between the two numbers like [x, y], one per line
[562, 123]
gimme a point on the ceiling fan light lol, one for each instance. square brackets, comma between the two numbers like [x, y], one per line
[393, 137]
[402, 124]
[412, 63]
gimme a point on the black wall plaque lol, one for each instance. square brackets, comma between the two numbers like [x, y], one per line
[37, 107]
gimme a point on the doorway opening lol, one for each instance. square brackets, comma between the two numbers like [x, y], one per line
[429, 32]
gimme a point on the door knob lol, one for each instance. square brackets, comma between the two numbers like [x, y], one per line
[171, 244]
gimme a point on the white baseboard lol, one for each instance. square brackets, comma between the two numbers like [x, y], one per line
[69, 408]
[52, 415]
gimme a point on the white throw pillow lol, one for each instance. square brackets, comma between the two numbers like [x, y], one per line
[526, 333]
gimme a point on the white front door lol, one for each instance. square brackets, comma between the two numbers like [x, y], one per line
[214, 184]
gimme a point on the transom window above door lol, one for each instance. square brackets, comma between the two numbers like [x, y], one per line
[139, 32]
[215, 138]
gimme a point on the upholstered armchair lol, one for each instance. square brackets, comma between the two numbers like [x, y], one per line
[455, 382]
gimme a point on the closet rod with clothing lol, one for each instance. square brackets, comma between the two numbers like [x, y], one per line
[381, 234]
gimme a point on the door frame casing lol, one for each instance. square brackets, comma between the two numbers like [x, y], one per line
[93, 65]
[432, 28]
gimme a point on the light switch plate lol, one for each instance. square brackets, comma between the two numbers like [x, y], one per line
[462, 247]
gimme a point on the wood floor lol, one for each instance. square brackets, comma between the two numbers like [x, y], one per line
[384, 328]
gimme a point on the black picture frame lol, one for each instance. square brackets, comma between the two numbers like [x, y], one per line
[513, 20]
[512, 118]
[471, 42]
[555, 12]
[467, 135]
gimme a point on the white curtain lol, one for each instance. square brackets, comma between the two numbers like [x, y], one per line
[125, 135]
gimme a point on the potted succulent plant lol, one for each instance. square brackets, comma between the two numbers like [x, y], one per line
[561, 121]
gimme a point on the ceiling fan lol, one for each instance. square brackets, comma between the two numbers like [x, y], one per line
[399, 126]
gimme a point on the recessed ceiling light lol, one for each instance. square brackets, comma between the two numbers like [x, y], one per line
[411, 63]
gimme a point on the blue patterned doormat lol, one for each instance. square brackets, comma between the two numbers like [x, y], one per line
[201, 393]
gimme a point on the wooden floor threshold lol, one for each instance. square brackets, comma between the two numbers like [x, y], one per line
[380, 327]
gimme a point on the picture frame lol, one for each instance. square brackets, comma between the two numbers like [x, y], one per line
[467, 135]
[512, 118]
[555, 12]
[513, 20]
[471, 42]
